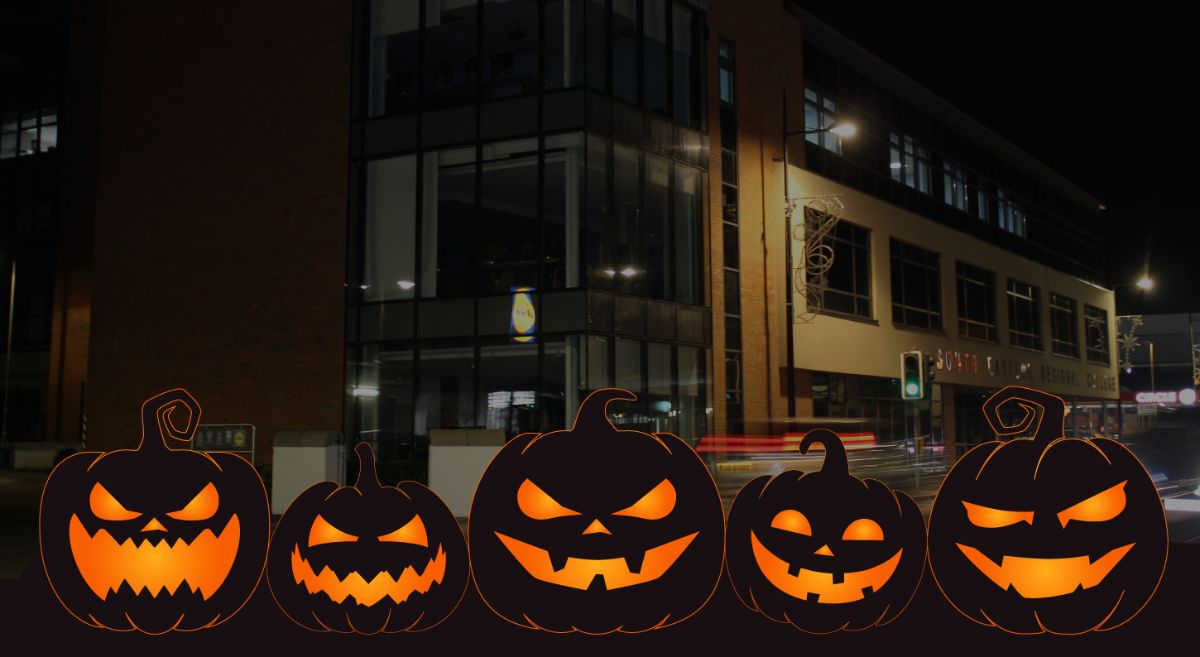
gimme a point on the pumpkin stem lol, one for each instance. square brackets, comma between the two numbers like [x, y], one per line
[1048, 425]
[593, 412]
[157, 423]
[835, 451]
[368, 478]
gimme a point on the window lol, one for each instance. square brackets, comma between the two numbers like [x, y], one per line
[979, 199]
[1024, 322]
[448, 235]
[654, 55]
[510, 48]
[1010, 213]
[954, 185]
[389, 258]
[450, 64]
[624, 49]
[821, 112]
[685, 64]
[725, 59]
[35, 132]
[596, 43]
[916, 287]
[1096, 320]
[564, 43]
[1064, 334]
[688, 226]
[393, 58]
[562, 207]
[508, 216]
[909, 163]
[848, 281]
[976, 302]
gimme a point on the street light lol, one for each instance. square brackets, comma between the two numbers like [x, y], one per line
[1146, 283]
[843, 129]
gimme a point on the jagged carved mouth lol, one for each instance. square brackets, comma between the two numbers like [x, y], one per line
[584, 574]
[152, 566]
[1045, 578]
[367, 593]
[821, 587]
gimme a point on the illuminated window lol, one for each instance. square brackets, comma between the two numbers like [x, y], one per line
[1024, 322]
[32, 131]
[1096, 330]
[821, 113]
[909, 162]
[1010, 213]
[954, 185]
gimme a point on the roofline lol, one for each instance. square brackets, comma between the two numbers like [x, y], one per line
[835, 43]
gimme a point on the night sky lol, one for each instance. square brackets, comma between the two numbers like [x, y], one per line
[1098, 95]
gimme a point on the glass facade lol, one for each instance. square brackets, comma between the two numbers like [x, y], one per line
[594, 226]
[976, 302]
[1024, 319]
[916, 287]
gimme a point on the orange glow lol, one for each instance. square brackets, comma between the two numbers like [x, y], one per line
[1100, 507]
[863, 529]
[412, 532]
[202, 506]
[596, 527]
[106, 507]
[323, 532]
[824, 551]
[807, 582]
[989, 518]
[154, 526]
[365, 593]
[537, 503]
[579, 573]
[1045, 578]
[654, 505]
[105, 564]
[791, 520]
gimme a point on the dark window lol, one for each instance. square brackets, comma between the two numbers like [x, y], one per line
[450, 65]
[954, 185]
[654, 55]
[389, 255]
[597, 44]
[1064, 332]
[1024, 322]
[600, 261]
[629, 273]
[508, 383]
[731, 245]
[656, 222]
[508, 212]
[448, 248]
[848, 279]
[1010, 213]
[394, 42]
[1096, 320]
[563, 207]
[686, 74]
[689, 230]
[916, 287]
[625, 47]
[976, 302]
[564, 43]
[732, 297]
[510, 48]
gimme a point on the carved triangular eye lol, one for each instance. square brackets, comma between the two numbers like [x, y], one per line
[106, 507]
[654, 505]
[1102, 506]
[202, 506]
[537, 503]
[412, 532]
[322, 532]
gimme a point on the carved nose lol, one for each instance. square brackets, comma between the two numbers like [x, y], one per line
[154, 526]
[824, 550]
[596, 528]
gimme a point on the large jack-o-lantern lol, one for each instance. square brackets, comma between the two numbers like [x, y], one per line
[825, 551]
[155, 539]
[368, 558]
[595, 529]
[1046, 534]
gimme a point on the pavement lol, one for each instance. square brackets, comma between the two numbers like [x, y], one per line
[20, 493]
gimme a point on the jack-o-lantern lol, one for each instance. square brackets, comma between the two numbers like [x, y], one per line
[595, 529]
[1046, 534]
[155, 539]
[825, 551]
[368, 558]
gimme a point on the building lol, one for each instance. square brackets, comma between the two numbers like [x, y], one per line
[398, 216]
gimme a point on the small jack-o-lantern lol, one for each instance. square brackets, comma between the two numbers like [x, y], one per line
[825, 551]
[1046, 534]
[595, 529]
[155, 539]
[368, 558]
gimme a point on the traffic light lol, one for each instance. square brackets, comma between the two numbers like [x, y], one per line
[912, 375]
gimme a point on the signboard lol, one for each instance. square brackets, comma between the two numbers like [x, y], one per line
[1187, 397]
[236, 438]
[523, 319]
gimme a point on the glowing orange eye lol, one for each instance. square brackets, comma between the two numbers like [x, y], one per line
[202, 506]
[412, 532]
[654, 505]
[989, 518]
[863, 529]
[537, 503]
[1102, 506]
[791, 520]
[322, 532]
[106, 507]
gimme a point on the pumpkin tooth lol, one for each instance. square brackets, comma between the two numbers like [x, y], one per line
[838, 576]
[558, 560]
[634, 562]
[794, 569]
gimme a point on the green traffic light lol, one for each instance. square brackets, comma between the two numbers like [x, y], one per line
[912, 389]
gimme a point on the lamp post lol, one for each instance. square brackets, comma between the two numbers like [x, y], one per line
[841, 129]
